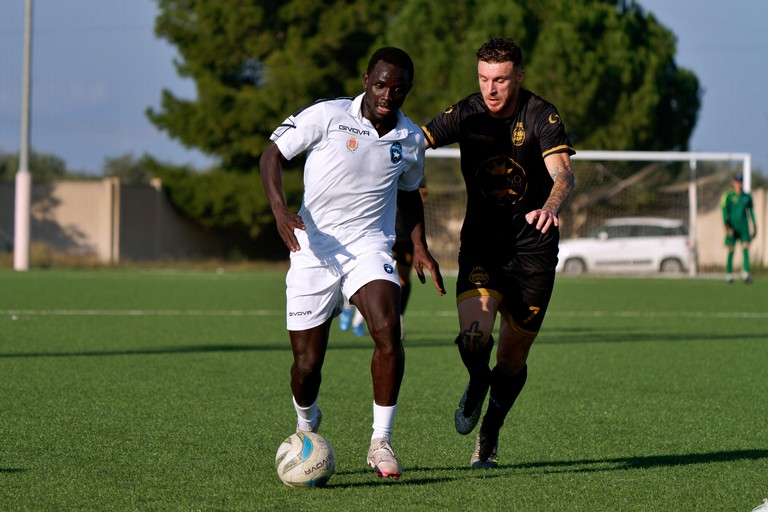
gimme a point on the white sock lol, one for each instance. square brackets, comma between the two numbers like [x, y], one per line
[307, 416]
[383, 418]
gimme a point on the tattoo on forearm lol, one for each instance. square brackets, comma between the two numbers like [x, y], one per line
[564, 184]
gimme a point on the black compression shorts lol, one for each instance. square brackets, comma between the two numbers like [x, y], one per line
[402, 251]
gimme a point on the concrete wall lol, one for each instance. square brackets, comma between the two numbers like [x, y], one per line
[110, 221]
[150, 228]
[76, 217]
[7, 192]
[115, 222]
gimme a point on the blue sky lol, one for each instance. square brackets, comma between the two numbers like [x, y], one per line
[725, 45]
[97, 66]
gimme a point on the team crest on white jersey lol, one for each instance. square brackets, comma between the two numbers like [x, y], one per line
[388, 268]
[396, 152]
[352, 144]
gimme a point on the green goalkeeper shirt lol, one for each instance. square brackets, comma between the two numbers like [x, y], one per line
[735, 207]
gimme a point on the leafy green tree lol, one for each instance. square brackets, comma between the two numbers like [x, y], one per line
[231, 201]
[609, 68]
[129, 169]
[254, 62]
[43, 167]
[442, 38]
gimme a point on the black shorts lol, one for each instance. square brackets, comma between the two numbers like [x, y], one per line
[522, 283]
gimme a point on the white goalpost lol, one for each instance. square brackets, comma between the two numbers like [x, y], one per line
[686, 186]
[23, 176]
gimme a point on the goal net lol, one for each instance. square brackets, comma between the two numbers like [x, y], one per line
[686, 186]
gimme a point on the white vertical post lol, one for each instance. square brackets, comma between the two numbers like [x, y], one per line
[747, 173]
[157, 188]
[115, 227]
[23, 178]
[693, 211]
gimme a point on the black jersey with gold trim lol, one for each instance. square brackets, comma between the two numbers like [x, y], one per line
[502, 161]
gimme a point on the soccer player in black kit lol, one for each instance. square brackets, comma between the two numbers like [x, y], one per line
[515, 159]
[402, 252]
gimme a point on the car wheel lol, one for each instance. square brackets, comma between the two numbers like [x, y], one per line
[671, 265]
[574, 266]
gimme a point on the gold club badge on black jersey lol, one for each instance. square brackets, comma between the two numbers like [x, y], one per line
[518, 134]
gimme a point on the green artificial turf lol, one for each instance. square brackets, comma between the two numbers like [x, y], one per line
[162, 390]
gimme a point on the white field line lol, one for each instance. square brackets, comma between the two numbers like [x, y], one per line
[443, 313]
[139, 312]
[659, 314]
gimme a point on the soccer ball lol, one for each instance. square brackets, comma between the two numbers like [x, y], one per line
[305, 459]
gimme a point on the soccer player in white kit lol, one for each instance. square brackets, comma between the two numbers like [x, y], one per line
[359, 153]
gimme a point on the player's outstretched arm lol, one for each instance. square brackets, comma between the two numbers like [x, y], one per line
[271, 169]
[559, 168]
[412, 209]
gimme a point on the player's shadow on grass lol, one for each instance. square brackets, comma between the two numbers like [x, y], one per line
[641, 462]
[565, 336]
[552, 336]
[188, 349]
[411, 474]
[194, 349]
[407, 480]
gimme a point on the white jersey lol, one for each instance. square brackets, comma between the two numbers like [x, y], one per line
[351, 174]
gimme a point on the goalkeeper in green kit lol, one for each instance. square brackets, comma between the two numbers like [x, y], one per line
[737, 210]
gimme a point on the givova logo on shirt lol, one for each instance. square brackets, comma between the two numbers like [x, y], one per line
[396, 152]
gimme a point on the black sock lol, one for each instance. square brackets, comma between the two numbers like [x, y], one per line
[476, 362]
[405, 293]
[479, 374]
[504, 392]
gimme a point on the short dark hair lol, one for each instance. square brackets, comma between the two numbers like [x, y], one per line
[498, 50]
[394, 56]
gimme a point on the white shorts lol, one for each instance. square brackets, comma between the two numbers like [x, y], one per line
[316, 289]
